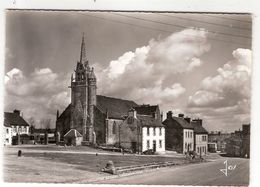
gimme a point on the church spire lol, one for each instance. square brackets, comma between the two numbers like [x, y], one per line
[83, 57]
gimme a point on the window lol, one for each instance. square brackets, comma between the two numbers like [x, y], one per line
[148, 132]
[7, 140]
[204, 138]
[148, 144]
[160, 131]
[154, 133]
[191, 134]
[14, 129]
[160, 143]
[198, 150]
[20, 129]
[130, 120]
[186, 135]
[114, 127]
[7, 131]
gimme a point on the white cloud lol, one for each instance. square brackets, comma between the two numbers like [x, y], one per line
[229, 87]
[38, 95]
[145, 75]
[228, 93]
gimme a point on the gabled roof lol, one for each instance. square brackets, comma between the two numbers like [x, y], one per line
[149, 121]
[177, 122]
[73, 133]
[44, 130]
[146, 109]
[14, 119]
[184, 124]
[198, 129]
[116, 108]
[66, 112]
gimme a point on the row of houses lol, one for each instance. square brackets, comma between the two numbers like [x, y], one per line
[142, 129]
[17, 131]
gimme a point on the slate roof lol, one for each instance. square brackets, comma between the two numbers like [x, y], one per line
[146, 109]
[73, 133]
[44, 130]
[178, 122]
[117, 108]
[198, 129]
[149, 121]
[14, 119]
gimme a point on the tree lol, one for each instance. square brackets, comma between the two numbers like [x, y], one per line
[45, 123]
[31, 122]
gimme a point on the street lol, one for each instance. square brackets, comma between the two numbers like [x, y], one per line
[198, 174]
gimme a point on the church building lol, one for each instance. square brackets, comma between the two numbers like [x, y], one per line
[92, 116]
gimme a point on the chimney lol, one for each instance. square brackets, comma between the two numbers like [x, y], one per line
[17, 112]
[132, 112]
[181, 115]
[169, 115]
[198, 121]
[187, 119]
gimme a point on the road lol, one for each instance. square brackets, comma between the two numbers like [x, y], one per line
[207, 173]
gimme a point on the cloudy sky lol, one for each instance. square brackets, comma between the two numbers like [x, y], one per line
[195, 64]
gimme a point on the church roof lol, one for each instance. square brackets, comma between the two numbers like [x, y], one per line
[116, 108]
[146, 109]
[14, 119]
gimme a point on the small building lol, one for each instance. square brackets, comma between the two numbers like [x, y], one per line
[39, 135]
[179, 134]
[200, 137]
[142, 130]
[220, 139]
[238, 144]
[14, 126]
[73, 137]
[246, 140]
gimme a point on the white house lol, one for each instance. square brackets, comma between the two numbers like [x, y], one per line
[14, 124]
[143, 130]
[153, 137]
[201, 137]
[188, 140]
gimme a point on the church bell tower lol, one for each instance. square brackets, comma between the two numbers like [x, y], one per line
[83, 97]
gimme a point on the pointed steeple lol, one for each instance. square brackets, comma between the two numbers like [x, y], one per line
[83, 57]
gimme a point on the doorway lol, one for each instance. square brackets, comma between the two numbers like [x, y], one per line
[154, 146]
[134, 146]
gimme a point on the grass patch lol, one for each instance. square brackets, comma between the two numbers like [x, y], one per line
[95, 163]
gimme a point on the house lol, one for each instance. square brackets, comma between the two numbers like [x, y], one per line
[239, 142]
[73, 137]
[179, 135]
[16, 129]
[142, 130]
[220, 139]
[200, 137]
[246, 140]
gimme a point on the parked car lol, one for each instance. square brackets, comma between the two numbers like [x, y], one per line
[148, 152]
